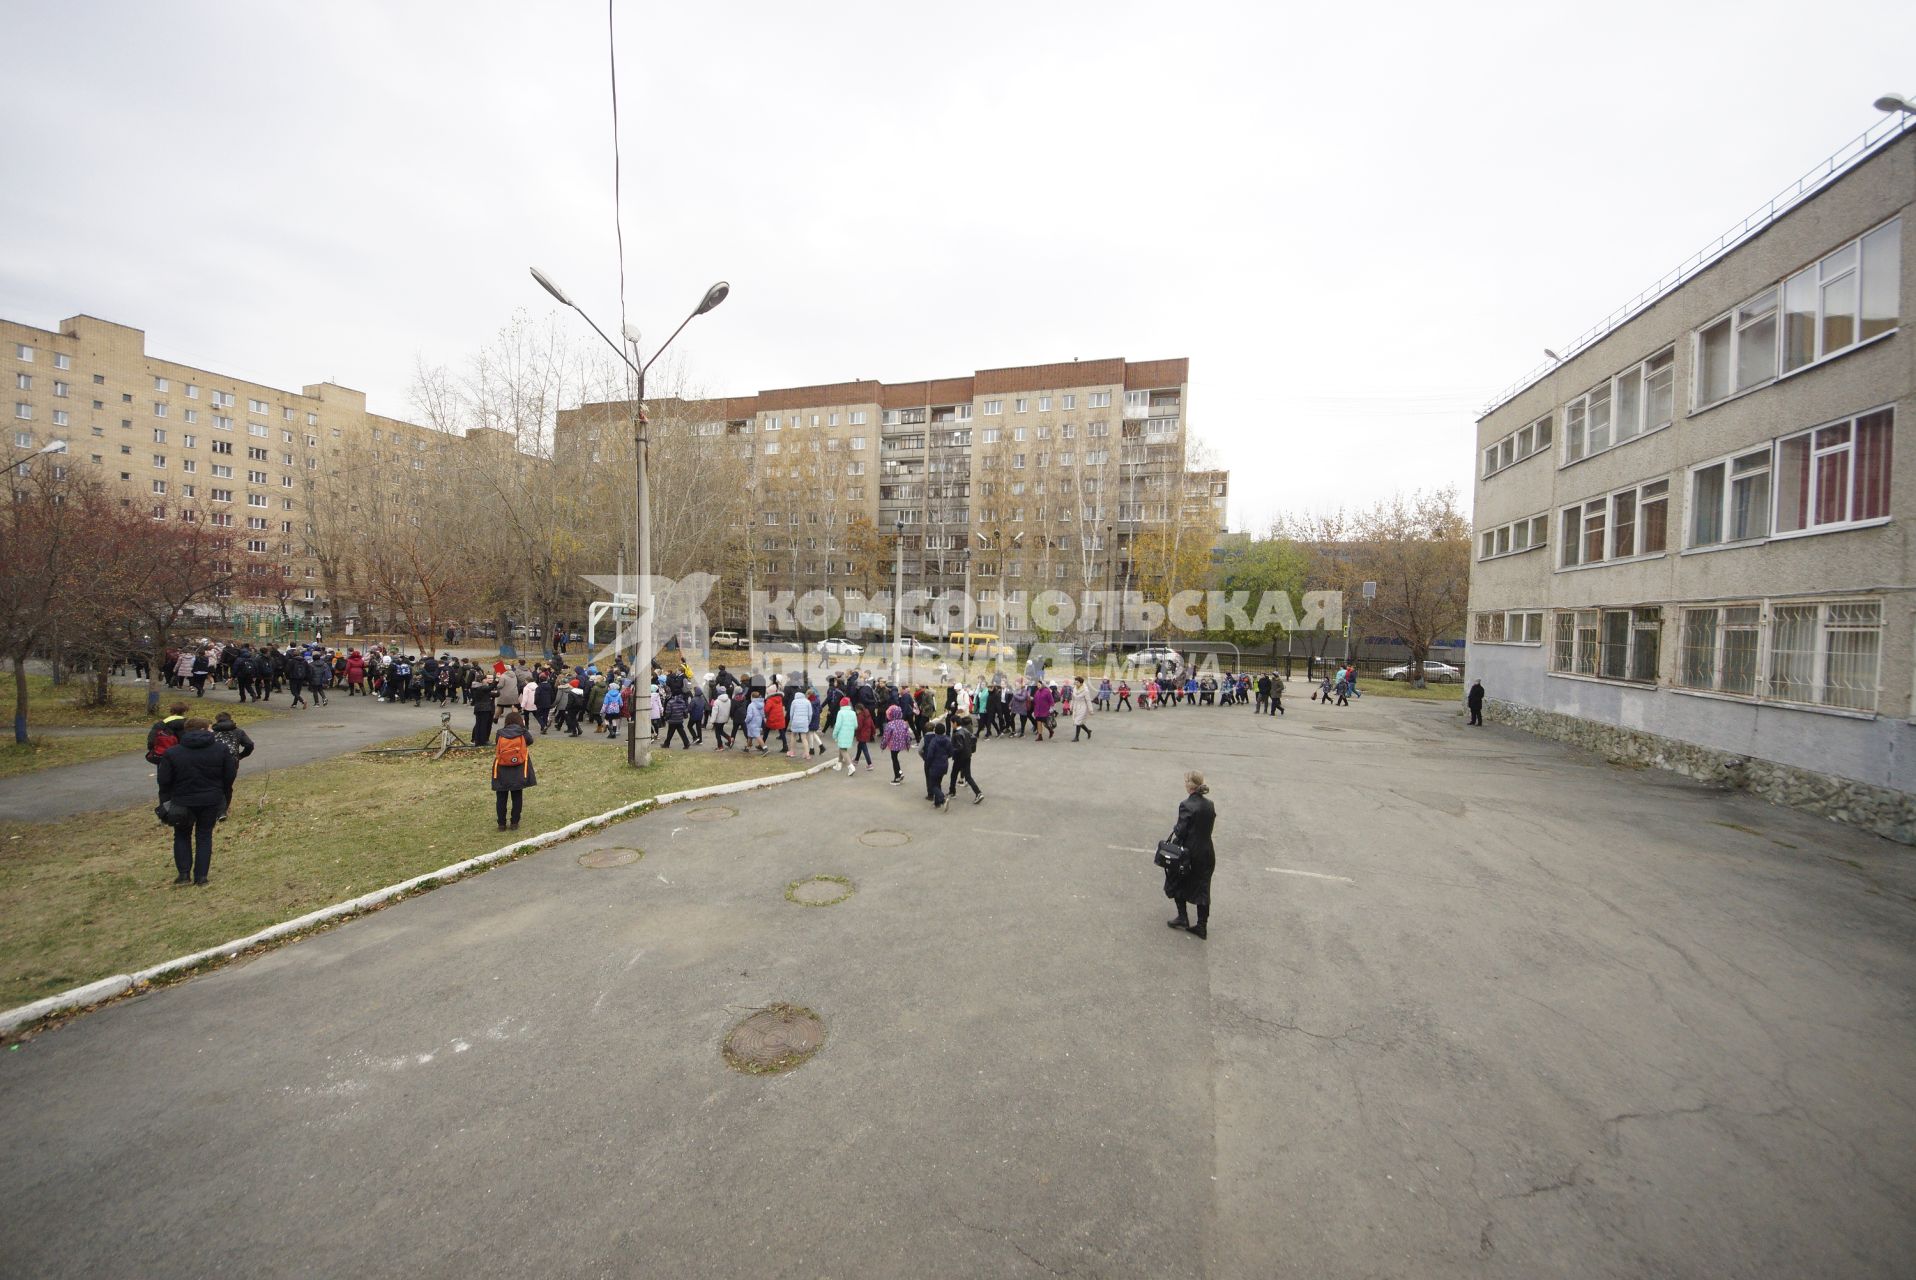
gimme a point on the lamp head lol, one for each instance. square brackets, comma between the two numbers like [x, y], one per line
[54, 446]
[1553, 355]
[1895, 102]
[553, 289]
[713, 296]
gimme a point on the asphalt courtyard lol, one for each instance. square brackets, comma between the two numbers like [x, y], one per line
[1472, 1005]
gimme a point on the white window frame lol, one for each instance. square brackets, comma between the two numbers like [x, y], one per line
[1502, 540]
[1587, 656]
[1612, 394]
[1603, 506]
[1508, 626]
[1816, 455]
[1726, 503]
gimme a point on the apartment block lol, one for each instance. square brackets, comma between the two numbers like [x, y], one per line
[294, 475]
[1694, 534]
[1007, 482]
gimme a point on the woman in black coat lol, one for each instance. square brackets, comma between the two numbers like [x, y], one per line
[1196, 816]
[196, 774]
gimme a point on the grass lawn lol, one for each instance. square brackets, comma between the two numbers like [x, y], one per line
[50, 752]
[93, 895]
[58, 707]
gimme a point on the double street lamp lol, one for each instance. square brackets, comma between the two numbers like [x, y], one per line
[634, 754]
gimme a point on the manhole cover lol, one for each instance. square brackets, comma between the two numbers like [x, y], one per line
[884, 839]
[820, 891]
[775, 1039]
[599, 859]
[711, 813]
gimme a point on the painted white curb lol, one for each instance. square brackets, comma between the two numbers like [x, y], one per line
[120, 984]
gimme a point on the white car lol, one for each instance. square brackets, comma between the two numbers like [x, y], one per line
[1154, 658]
[914, 650]
[1434, 671]
[836, 645]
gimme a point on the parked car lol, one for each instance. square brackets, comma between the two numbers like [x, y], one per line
[1434, 671]
[913, 649]
[1154, 658]
[835, 644]
[728, 640]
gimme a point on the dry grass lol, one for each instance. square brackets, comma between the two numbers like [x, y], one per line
[91, 896]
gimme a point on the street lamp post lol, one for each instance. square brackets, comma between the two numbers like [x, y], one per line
[898, 600]
[634, 755]
[51, 446]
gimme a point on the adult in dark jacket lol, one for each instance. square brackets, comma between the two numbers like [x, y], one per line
[1475, 701]
[1196, 817]
[197, 775]
[512, 779]
[483, 694]
[542, 702]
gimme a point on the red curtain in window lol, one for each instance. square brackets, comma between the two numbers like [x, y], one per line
[1872, 466]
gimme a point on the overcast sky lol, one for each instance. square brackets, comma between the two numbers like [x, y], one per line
[1359, 224]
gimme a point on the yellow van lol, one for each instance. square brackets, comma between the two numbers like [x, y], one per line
[979, 645]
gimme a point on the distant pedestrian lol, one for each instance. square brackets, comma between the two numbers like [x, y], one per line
[512, 769]
[231, 736]
[1475, 701]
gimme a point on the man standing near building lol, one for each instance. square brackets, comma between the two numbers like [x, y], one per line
[1475, 701]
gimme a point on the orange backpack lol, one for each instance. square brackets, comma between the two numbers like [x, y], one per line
[509, 753]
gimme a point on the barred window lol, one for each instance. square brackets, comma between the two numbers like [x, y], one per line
[1826, 654]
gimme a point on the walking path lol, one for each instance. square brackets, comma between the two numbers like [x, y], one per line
[1473, 1005]
[289, 738]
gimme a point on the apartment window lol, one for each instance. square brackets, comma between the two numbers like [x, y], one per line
[1017, 461]
[858, 418]
[1044, 404]
[23, 352]
[1826, 654]
[62, 390]
[1615, 644]
[1526, 534]
[23, 410]
[61, 360]
[222, 472]
[159, 460]
[286, 414]
[59, 417]
[221, 495]
[189, 465]
[1017, 433]
[255, 499]
[1098, 400]
[1022, 405]
[992, 407]
[1631, 522]
[99, 379]
[771, 447]
[224, 399]
[190, 415]
[1730, 499]
[159, 384]
[159, 435]
[1098, 429]
[1639, 400]
[192, 392]
[256, 406]
[159, 486]
[257, 429]
[256, 454]
[858, 442]
[23, 381]
[256, 477]
[23, 439]
[222, 424]
[222, 446]
[1718, 648]
[993, 435]
[1509, 627]
[1834, 476]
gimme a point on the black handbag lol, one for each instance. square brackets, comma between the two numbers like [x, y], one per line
[173, 813]
[1172, 856]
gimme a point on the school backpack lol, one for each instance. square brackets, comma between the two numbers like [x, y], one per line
[509, 753]
[164, 740]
